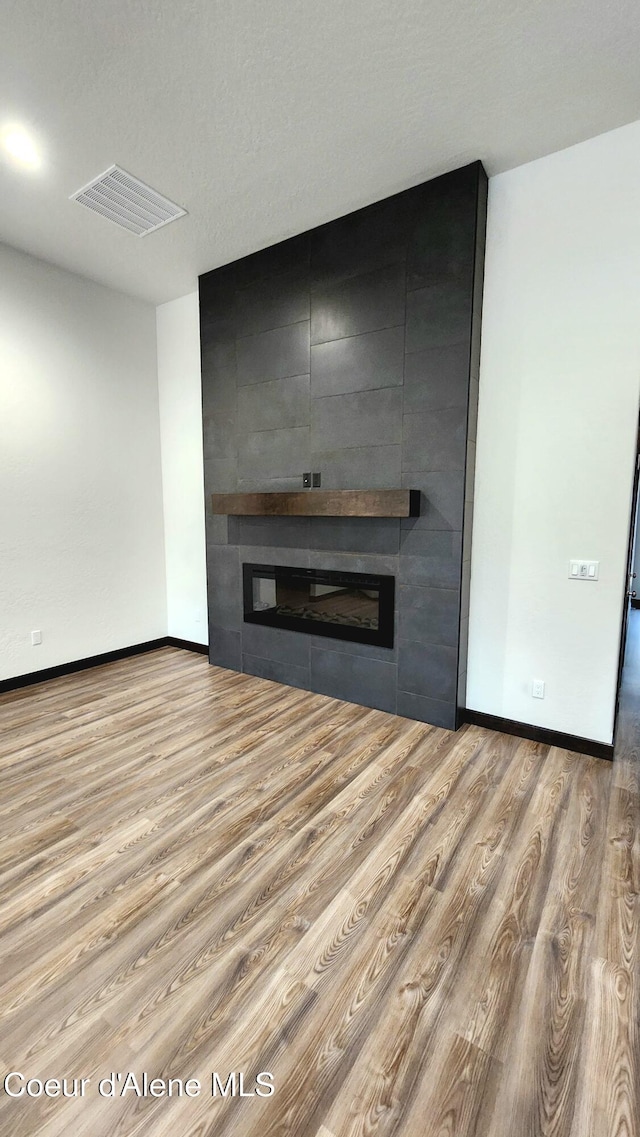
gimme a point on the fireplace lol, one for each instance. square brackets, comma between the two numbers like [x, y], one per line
[344, 605]
[351, 350]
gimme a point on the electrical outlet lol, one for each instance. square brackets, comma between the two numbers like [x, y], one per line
[537, 689]
[36, 638]
[306, 480]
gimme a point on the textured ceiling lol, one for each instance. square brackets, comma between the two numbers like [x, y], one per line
[266, 117]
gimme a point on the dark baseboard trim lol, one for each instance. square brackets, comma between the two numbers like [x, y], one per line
[538, 734]
[61, 669]
[188, 645]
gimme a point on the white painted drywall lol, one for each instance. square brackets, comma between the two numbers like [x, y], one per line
[81, 526]
[179, 388]
[559, 387]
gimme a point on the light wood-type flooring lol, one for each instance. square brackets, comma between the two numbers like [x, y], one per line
[417, 933]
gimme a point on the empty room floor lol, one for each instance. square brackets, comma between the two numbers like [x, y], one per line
[413, 932]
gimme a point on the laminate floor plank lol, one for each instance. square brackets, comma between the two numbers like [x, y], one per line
[539, 1100]
[292, 858]
[204, 894]
[611, 1104]
[242, 811]
[419, 933]
[406, 1041]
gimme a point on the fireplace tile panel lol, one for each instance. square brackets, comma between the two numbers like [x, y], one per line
[287, 257]
[273, 404]
[429, 615]
[225, 647]
[278, 532]
[366, 651]
[430, 670]
[359, 467]
[217, 309]
[345, 248]
[434, 440]
[218, 363]
[430, 572]
[434, 711]
[225, 600]
[275, 555]
[370, 682]
[276, 670]
[358, 363]
[427, 544]
[354, 562]
[273, 453]
[441, 500]
[436, 378]
[365, 418]
[274, 643]
[379, 535]
[219, 435]
[221, 473]
[438, 316]
[364, 303]
[430, 559]
[283, 484]
[266, 304]
[217, 528]
[273, 354]
[352, 350]
[441, 248]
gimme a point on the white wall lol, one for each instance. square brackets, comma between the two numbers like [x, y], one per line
[81, 527]
[182, 467]
[559, 386]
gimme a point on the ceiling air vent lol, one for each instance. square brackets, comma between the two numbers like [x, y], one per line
[128, 202]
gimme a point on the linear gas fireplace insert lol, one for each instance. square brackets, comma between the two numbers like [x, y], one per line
[345, 605]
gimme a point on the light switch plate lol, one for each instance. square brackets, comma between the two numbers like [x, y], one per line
[583, 570]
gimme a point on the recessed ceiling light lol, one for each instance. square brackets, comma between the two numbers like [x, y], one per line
[19, 145]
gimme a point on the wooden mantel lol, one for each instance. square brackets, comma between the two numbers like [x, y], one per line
[320, 503]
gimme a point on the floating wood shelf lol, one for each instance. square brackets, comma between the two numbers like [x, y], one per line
[320, 503]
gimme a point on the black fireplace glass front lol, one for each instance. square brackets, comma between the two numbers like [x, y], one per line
[344, 605]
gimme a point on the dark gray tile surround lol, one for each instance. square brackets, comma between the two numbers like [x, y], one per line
[352, 349]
